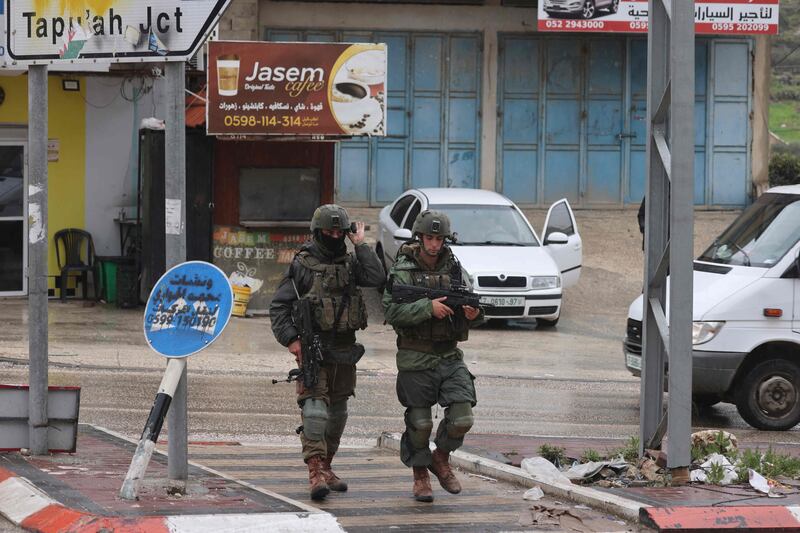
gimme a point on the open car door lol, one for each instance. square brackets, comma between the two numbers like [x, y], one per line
[566, 252]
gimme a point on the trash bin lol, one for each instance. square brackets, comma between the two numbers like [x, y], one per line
[108, 276]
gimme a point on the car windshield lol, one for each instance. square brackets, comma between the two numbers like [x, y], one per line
[762, 235]
[485, 225]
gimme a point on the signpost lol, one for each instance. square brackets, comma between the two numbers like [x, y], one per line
[710, 17]
[42, 32]
[187, 310]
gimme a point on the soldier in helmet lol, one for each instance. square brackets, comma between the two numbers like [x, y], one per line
[327, 274]
[430, 365]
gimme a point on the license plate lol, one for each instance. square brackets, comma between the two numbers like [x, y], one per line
[503, 301]
[634, 361]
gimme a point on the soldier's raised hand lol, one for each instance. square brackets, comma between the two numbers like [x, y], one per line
[357, 237]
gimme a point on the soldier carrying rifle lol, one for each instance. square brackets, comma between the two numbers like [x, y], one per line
[325, 277]
[430, 365]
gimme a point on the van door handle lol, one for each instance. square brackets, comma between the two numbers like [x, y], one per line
[622, 135]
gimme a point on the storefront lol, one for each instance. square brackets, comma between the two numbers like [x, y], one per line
[477, 96]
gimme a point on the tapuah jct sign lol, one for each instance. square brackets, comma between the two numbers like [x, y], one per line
[97, 31]
[711, 16]
[296, 89]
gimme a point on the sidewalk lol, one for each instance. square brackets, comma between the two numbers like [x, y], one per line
[79, 492]
[692, 507]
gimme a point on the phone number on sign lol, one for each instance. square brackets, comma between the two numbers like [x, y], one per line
[251, 121]
[182, 320]
[746, 26]
[575, 24]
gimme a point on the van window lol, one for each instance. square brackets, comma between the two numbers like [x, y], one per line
[762, 235]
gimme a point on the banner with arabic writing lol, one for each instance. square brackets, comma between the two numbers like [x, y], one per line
[741, 17]
[296, 89]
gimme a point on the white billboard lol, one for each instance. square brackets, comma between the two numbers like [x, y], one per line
[114, 31]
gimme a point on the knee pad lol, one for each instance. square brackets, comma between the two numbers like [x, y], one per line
[337, 417]
[459, 419]
[315, 418]
[420, 425]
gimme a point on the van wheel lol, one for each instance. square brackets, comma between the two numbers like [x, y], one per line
[768, 397]
[614, 7]
[589, 10]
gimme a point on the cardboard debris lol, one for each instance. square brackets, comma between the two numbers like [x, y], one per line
[566, 518]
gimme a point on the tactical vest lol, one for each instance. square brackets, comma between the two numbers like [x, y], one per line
[336, 299]
[435, 335]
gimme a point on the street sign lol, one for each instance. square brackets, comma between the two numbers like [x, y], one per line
[113, 31]
[187, 309]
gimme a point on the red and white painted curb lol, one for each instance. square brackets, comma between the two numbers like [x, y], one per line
[30, 508]
[750, 518]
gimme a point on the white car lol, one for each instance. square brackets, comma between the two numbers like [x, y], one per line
[507, 263]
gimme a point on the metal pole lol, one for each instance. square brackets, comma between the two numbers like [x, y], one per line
[681, 268]
[175, 195]
[147, 442]
[37, 258]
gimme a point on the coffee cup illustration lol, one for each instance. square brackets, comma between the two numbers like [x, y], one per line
[350, 100]
[228, 75]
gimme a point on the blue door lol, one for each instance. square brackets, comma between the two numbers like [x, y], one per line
[572, 120]
[433, 116]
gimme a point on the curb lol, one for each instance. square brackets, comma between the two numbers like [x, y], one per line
[616, 505]
[28, 507]
[751, 518]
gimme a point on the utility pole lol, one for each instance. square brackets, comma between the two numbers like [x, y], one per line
[175, 242]
[37, 259]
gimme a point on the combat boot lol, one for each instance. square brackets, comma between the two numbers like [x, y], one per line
[440, 466]
[318, 489]
[331, 479]
[422, 485]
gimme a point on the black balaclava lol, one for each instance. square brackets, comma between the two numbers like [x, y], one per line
[330, 246]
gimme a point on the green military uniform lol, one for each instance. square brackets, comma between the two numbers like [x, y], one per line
[324, 272]
[430, 365]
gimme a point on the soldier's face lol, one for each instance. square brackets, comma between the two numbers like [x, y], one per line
[333, 233]
[432, 244]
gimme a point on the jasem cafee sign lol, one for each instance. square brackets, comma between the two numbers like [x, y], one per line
[296, 89]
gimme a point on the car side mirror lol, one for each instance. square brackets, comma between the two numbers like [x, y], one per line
[403, 234]
[556, 238]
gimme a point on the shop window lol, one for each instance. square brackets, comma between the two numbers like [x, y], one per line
[278, 196]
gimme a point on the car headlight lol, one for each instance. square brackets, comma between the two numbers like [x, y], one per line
[545, 282]
[703, 332]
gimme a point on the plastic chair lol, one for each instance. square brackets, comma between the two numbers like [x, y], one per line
[78, 258]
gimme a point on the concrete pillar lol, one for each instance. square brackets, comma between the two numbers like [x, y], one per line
[759, 156]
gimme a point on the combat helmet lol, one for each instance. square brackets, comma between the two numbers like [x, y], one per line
[432, 223]
[330, 216]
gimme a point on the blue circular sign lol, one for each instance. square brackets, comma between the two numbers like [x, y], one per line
[188, 309]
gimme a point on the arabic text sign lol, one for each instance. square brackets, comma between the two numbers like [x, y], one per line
[314, 89]
[711, 17]
[97, 31]
[188, 309]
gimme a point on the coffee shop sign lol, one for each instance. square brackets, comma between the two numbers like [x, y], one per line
[85, 31]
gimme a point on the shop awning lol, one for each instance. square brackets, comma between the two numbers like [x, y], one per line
[196, 109]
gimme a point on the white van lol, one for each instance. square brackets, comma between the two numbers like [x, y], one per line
[746, 315]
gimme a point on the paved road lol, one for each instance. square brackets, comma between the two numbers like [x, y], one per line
[565, 381]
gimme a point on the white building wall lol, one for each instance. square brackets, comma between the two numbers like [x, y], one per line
[112, 154]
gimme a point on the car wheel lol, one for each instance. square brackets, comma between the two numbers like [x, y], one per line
[768, 396]
[704, 401]
[544, 323]
[588, 10]
[614, 7]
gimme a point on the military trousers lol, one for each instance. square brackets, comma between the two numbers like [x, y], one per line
[337, 382]
[450, 383]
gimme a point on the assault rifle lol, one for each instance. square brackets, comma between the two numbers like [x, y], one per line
[310, 345]
[456, 296]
